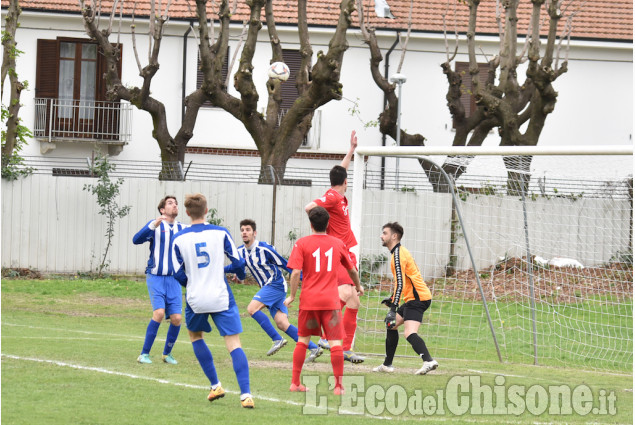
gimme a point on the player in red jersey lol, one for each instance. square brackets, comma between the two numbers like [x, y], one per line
[319, 257]
[339, 226]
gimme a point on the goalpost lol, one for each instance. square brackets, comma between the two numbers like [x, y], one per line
[528, 254]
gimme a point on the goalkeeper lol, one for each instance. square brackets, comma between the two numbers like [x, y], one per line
[413, 291]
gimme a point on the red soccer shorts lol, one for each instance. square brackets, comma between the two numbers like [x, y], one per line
[342, 274]
[311, 322]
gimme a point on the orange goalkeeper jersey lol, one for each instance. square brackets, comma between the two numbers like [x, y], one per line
[409, 284]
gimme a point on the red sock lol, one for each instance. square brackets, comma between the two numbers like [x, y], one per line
[298, 360]
[350, 326]
[337, 361]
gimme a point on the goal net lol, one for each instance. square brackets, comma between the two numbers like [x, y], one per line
[530, 260]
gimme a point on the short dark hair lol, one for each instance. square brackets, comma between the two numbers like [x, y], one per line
[395, 228]
[248, 222]
[164, 200]
[338, 175]
[319, 219]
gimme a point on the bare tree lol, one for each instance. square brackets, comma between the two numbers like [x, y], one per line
[509, 105]
[277, 138]
[15, 85]
[277, 134]
[172, 148]
[517, 110]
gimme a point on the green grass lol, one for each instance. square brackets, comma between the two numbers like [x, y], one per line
[69, 349]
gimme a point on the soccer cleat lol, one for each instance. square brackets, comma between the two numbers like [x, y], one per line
[427, 367]
[216, 393]
[349, 356]
[297, 388]
[169, 359]
[323, 343]
[384, 368]
[314, 354]
[338, 390]
[277, 345]
[144, 359]
[248, 402]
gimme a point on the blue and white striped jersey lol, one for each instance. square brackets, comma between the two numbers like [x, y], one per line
[264, 263]
[160, 262]
[199, 253]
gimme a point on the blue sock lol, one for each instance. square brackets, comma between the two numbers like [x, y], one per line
[266, 325]
[241, 368]
[151, 334]
[292, 331]
[205, 359]
[173, 334]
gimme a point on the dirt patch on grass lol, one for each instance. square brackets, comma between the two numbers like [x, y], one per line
[20, 273]
[510, 280]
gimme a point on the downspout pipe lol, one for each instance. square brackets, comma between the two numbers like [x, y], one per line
[383, 136]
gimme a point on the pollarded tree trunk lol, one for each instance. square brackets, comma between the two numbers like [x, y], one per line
[172, 148]
[16, 86]
[276, 139]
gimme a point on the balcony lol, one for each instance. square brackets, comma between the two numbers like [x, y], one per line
[80, 121]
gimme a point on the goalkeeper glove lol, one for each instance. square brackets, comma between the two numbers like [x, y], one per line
[387, 301]
[391, 319]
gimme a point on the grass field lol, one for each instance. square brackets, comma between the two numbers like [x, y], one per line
[69, 351]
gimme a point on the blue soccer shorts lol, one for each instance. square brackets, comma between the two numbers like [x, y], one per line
[166, 293]
[227, 322]
[273, 297]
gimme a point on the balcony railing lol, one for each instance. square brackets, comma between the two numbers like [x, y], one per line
[82, 121]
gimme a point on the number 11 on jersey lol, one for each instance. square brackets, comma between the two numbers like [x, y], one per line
[328, 254]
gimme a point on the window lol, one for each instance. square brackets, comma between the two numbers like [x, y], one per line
[293, 59]
[467, 98]
[71, 93]
[199, 74]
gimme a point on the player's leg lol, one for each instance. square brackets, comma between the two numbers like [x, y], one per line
[392, 341]
[196, 325]
[308, 324]
[331, 322]
[280, 315]
[348, 294]
[413, 314]
[230, 328]
[260, 300]
[156, 291]
[173, 310]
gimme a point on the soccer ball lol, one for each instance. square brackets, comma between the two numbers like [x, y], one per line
[279, 71]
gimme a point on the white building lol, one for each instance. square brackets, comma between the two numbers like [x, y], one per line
[595, 103]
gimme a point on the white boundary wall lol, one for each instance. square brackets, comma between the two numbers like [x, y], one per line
[51, 224]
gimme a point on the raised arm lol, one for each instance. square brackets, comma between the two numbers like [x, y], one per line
[347, 159]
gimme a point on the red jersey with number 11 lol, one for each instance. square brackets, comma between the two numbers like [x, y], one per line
[319, 257]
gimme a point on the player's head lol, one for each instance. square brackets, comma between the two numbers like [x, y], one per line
[338, 175]
[196, 205]
[169, 206]
[391, 234]
[319, 219]
[248, 231]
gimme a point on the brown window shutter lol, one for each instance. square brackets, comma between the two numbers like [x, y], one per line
[467, 98]
[293, 59]
[47, 69]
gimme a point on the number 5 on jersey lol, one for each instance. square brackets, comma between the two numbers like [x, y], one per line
[328, 254]
[202, 253]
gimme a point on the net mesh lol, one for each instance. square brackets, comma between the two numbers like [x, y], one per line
[552, 253]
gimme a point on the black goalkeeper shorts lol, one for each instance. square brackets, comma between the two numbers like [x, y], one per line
[413, 310]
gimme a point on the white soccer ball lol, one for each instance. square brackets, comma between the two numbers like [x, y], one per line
[279, 71]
